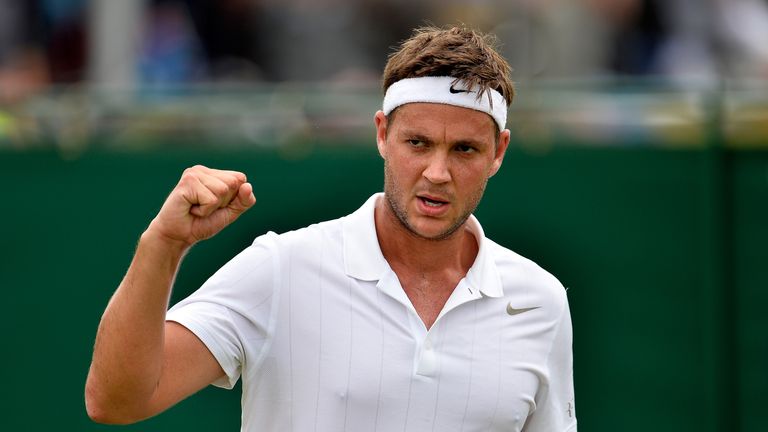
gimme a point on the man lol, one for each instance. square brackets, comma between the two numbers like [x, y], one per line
[400, 316]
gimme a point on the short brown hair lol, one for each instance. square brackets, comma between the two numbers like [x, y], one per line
[457, 52]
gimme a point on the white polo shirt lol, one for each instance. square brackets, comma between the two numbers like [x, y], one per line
[325, 339]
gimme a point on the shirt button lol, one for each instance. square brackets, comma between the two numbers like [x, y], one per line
[427, 361]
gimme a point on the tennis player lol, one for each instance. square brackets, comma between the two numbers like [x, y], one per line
[401, 316]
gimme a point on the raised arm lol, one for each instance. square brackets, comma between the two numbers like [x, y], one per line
[141, 364]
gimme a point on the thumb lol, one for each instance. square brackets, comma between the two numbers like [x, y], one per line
[242, 201]
[224, 216]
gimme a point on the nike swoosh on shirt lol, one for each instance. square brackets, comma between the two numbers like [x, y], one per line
[513, 311]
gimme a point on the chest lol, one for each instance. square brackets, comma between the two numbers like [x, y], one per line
[357, 358]
[428, 295]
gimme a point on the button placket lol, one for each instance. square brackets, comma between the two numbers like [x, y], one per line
[427, 362]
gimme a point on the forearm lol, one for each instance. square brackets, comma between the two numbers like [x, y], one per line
[127, 380]
[128, 353]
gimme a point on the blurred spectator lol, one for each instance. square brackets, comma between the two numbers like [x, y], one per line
[727, 39]
[65, 36]
[743, 32]
[679, 39]
[268, 40]
[170, 50]
[321, 40]
[639, 34]
[23, 64]
[44, 41]
[231, 38]
[41, 42]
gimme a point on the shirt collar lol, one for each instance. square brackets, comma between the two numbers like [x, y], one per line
[483, 275]
[363, 258]
[362, 255]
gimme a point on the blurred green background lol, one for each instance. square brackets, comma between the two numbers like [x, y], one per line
[658, 228]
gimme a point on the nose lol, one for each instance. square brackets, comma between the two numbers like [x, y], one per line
[437, 170]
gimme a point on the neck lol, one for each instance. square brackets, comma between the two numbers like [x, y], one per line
[404, 249]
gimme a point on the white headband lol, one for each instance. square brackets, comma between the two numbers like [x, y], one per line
[442, 90]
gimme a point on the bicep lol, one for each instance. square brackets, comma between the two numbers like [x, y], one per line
[188, 366]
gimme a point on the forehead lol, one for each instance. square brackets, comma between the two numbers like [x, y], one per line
[443, 118]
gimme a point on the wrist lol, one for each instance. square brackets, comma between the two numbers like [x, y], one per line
[157, 240]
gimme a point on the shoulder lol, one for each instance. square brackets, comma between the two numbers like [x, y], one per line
[257, 271]
[308, 243]
[311, 235]
[526, 282]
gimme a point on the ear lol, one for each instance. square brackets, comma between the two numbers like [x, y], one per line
[381, 132]
[501, 150]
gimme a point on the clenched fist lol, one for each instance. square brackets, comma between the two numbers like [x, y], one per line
[203, 202]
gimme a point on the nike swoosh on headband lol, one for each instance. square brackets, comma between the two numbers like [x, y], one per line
[454, 91]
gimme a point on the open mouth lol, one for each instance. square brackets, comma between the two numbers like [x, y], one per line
[431, 202]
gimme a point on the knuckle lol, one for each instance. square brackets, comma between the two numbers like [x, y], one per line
[187, 182]
[219, 189]
[233, 182]
[189, 172]
[194, 170]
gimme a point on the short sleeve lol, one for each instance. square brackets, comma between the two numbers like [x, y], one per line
[214, 326]
[232, 311]
[555, 404]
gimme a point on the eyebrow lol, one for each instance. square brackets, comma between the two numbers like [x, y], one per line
[421, 137]
[415, 135]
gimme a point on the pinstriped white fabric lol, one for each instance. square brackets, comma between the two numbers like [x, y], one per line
[319, 329]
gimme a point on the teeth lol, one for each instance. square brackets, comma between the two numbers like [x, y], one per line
[431, 203]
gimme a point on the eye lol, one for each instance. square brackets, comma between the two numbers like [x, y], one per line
[464, 148]
[416, 142]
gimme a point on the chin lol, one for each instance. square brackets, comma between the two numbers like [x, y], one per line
[433, 233]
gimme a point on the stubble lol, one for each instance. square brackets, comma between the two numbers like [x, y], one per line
[392, 190]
